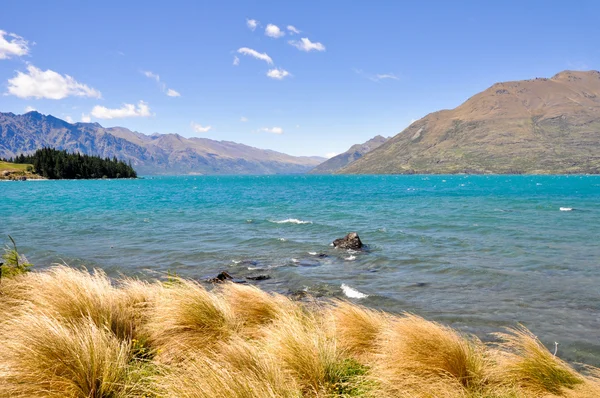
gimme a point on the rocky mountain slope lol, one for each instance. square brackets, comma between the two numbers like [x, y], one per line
[149, 154]
[532, 126]
[344, 159]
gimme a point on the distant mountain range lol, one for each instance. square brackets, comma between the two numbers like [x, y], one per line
[344, 159]
[531, 126]
[149, 154]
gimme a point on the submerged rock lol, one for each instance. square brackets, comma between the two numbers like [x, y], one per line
[350, 241]
[258, 277]
[224, 276]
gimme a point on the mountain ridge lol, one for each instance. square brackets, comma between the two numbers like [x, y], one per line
[535, 126]
[351, 155]
[149, 154]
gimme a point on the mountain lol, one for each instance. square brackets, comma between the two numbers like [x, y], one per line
[545, 126]
[149, 154]
[344, 159]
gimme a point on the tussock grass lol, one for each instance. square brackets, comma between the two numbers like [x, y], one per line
[75, 333]
[358, 328]
[49, 358]
[66, 293]
[531, 366]
[238, 370]
[254, 308]
[417, 352]
[185, 316]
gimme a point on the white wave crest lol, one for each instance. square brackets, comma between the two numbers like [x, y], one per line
[351, 258]
[352, 293]
[291, 221]
[566, 208]
[312, 253]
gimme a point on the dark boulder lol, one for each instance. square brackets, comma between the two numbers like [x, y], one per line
[350, 241]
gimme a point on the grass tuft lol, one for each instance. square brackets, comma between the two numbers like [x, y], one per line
[46, 357]
[531, 366]
[185, 316]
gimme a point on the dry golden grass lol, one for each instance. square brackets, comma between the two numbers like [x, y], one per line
[70, 294]
[531, 366]
[185, 316]
[46, 357]
[237, 369]
[253, 308]
[417, 347]
[358, 328]
[72, 333]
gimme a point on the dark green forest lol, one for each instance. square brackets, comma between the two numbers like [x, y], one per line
[55, 165]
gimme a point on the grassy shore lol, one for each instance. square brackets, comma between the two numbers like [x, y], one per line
[14, 171]
[72, 333]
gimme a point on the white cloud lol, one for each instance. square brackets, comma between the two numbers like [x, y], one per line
[384, 76]
[68, 119]
[151, 75]
[47, 84]
[274, 130]
[376, 78]
[169, 91]
[236, 60]
[85, 118]
[274, 31]
[198, 128]
[252, 24]
[278, 73]
[255, 54]
[127, 110]
[329, 155]
[14, 46]
[293, 29]
[306, 45]
[243, 119]
[29, 108]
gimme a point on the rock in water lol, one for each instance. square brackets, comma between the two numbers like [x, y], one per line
[258, 277]
[350, 241]
[221, 277]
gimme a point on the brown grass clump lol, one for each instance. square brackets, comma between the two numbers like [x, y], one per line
[71, 294]
[236, 370]
[529, 365]
[185, 316]
[253, 307]
[302, 343]
[357, 328]
[414, 350]
[45, 357]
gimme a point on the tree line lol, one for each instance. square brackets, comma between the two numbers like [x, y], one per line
[55, 164]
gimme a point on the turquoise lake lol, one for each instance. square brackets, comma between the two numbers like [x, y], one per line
[479, 253]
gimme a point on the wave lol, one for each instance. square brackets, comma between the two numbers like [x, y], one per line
[351, 258]
[566, 208]
[291, 221]
[312, 253]
[352, 293]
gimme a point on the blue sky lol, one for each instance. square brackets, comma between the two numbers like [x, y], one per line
[355, 69]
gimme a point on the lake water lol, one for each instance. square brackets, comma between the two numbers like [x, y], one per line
[477, 252]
